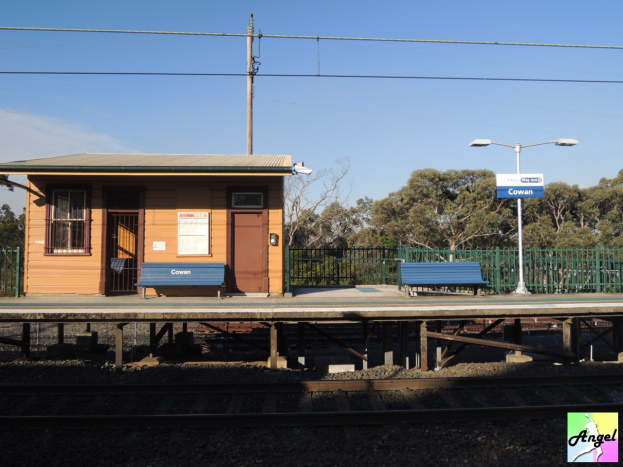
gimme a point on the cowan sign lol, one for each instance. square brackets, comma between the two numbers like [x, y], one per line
[520, 185]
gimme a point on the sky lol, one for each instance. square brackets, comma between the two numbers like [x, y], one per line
[386, 128]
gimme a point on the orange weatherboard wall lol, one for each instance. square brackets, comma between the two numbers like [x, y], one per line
[164, 197]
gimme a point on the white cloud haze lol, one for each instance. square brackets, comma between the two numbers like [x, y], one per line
[28, 136]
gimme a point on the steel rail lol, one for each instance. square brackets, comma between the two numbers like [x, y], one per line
[303, 418]
[313, 386]
[303, 415]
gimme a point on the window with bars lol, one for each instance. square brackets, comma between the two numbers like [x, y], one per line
[247, 200]
[68, 222]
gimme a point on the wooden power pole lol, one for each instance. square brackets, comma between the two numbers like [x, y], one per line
[250, 73]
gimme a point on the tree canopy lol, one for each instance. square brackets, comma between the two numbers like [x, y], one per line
[460, 209]
[12, 228]
[452, 209]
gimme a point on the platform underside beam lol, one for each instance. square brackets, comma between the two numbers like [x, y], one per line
[498, 344]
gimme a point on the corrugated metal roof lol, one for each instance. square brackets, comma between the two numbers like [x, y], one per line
[159, 160]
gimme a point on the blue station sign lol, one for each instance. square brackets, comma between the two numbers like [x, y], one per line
[520, 185]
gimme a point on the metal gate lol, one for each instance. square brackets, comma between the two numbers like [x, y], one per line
[123, 234]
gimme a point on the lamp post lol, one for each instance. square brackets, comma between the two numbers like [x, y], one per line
[521, 285]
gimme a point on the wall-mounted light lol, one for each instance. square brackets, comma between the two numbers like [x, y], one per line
[299, 168]
[274, 239]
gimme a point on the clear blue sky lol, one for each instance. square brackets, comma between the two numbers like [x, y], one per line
[387, 128]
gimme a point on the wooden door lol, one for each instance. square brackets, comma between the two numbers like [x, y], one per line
[248, 252]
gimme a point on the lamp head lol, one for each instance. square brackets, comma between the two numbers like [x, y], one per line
[566, 142]
[478, 143]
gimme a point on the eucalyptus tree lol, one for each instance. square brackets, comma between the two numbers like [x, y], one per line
[453, 209]
[603, 209]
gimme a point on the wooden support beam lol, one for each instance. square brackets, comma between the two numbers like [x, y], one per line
[6, 340]
[501, 345]
[119, 346]
[617, 326]
[25, 340]
[448, 355]
[424, 346]
[274, 354]
[572, 337]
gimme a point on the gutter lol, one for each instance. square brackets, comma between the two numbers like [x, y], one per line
[34, 169]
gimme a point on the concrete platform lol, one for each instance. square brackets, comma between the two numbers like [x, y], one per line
[330, 305]
[327, 304]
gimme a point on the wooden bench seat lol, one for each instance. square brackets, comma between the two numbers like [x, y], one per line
[461, 274]
[159, 275]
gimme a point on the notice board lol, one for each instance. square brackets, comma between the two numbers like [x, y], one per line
[193, 233]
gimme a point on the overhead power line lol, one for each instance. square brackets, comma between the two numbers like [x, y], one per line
[316, 38]
[292, 75]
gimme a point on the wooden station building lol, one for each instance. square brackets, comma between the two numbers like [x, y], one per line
[93, 219]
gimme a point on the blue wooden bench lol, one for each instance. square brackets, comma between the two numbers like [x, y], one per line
[462, 274]
[182, 275]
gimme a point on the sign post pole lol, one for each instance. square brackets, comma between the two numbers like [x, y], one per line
[520, 186]
[521, 285]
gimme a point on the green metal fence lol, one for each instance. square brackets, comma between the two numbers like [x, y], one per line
[11, 272]
[546, 270]
[340, 266]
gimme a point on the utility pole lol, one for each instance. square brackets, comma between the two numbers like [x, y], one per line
[251, 70]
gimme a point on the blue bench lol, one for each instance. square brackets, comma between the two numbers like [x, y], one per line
[462, 274]
[182, 275]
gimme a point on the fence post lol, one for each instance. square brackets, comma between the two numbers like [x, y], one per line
[18, 273]
[384, 272]
[339, 256]
[598, 268]
[498, 271]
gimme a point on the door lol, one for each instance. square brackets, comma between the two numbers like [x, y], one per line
[122, 251]
[248, 252]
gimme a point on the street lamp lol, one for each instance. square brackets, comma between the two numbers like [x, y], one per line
[521, 285]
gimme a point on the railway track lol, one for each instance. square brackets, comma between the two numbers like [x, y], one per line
[311, 403]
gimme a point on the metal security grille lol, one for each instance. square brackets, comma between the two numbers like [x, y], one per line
[68, 223]
[248, 200]
[123, 248]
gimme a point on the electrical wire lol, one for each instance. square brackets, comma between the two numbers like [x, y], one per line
[293, 75]
[332, 38]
